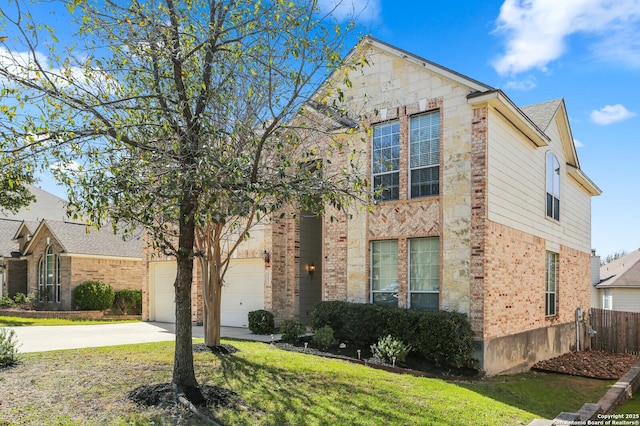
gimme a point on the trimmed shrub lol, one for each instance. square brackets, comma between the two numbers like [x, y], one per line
[7, 302]
[333, 314]
[390, 349]
[93, 296]
[323, 337]
[128, 301]
[291, 331]
[446, 338]
[261, 322]
[442, 337]
[8, 347]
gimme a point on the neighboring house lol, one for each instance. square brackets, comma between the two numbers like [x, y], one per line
[485, 210]
[50, 257]
[617, 287]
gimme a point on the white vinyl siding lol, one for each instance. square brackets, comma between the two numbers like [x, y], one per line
[517, 188]
[625, 299]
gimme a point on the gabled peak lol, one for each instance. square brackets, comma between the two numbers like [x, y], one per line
[542, 114]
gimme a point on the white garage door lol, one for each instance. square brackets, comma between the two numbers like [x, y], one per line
[243, 291]
[162, 276]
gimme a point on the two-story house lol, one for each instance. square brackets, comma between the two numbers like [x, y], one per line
[484, 209]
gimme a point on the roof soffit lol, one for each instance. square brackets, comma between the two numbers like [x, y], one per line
[501, 103]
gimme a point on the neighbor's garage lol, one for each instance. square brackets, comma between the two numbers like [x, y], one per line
[243, 291]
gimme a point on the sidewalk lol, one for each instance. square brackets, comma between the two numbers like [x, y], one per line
[50, 338]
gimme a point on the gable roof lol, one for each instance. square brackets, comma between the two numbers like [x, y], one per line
[542, 114]
[623, 272]
[427, 64]
[78, 238]
[8, 229]
[45, 206]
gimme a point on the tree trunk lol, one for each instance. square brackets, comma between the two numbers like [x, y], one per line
[184, 377]
[213, 301]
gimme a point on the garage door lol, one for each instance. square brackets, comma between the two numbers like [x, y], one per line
[161, 278]
[243, 291]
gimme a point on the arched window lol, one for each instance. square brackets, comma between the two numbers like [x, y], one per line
[49, 277]
[553, 187]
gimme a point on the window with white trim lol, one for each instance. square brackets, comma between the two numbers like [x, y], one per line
[424, 273]
[384, 272]
[553, 187]
[551, 297]
[607, 299]
[424, 154]
[386, 159]
[49, 277]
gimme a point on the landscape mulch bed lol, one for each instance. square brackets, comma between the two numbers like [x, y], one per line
[594, 364]
[413, 365]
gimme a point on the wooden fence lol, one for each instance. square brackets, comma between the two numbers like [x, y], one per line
[615, 331]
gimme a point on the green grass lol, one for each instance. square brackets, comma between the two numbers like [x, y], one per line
[281, 388]
[631, 406]
[6, 321]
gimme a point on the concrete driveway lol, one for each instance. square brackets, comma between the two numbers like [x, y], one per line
[50, 338]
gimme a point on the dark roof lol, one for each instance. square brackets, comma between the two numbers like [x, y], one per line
[77, 238]
[8, 229]
[542, 114]
[623, 272]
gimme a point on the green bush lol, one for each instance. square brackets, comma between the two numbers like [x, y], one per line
[291, 331]
[442, 337]
[7, 302]
[261, 322]
[8, 347]
[128, 301]
[93, 296]
[390, 350]
[324, 338]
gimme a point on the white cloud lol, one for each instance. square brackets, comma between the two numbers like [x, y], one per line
[359, 10]
[71, 167]
[577, 143]
[536, 31]
[524, 85]
[611, 114]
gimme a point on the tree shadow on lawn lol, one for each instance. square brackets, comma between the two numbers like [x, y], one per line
[303, 403]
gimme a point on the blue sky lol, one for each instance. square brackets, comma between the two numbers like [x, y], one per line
[585, 51]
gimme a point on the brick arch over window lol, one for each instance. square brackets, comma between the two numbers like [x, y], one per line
[49, 277]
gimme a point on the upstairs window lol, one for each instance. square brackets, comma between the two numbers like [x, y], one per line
[424, 152]
[553, 187]
[386, 160]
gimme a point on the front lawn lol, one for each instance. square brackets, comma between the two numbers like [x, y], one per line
[88, 386]
[6, 321]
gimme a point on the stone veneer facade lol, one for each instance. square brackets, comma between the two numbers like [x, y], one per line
[491, 271]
